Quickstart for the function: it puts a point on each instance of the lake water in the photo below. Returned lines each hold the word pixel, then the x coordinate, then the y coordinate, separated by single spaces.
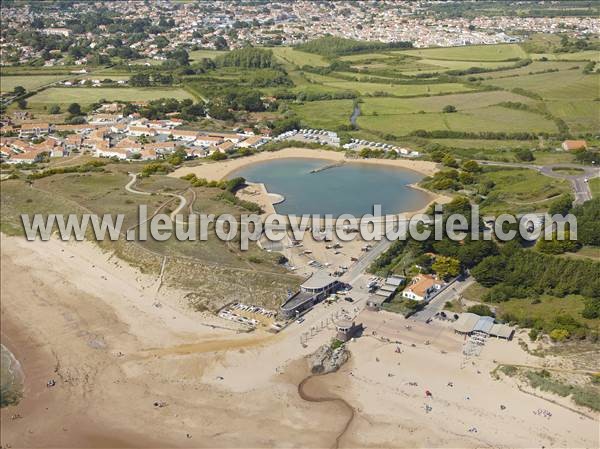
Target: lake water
pixel 349 188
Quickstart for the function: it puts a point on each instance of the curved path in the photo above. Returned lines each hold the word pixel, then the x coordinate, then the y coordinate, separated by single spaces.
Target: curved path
pixel 305 396
pixel 178 209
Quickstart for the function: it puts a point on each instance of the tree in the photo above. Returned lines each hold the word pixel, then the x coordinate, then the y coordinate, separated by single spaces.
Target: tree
pixel 177 157
pixel 449 161
pixel 449 109
pixel 19 90
pixel 561 206
pixel 54 109
pixel 446 267
pixel 556 246
pixel 218 156
pixel 480 309
pixel 471 167
pixel 524 154
pixel 22 103
pixel 74 109
pixel 490 271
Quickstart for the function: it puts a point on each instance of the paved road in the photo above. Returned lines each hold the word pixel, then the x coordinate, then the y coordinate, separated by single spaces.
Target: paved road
pixel 437 304
pixel 355 114
pixel 358 269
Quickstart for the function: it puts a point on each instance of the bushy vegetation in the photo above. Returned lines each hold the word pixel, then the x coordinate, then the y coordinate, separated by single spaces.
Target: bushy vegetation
pixel 249 58
pixel 83 168
pixel 330 46
pixel 230 186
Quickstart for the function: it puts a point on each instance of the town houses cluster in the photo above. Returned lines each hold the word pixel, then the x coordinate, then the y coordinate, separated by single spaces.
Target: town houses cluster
pixel 112 135
pixel 221 24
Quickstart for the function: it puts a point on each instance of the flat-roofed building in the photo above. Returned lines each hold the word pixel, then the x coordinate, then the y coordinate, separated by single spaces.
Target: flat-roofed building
pixel 313 290
pixel 471 323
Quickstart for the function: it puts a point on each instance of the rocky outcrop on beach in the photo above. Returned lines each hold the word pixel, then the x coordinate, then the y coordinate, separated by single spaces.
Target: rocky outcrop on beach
pixel 326 360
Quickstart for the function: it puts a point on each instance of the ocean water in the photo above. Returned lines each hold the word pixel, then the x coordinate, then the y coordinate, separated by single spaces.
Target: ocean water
pixel 346 189
pixel 11 378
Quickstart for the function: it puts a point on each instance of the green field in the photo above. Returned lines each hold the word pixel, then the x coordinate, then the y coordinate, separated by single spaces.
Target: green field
pixel 88 95
pixel 501 52
pixel 29 82
pixel 491 118
pixel 519 190
pixel 324 114
pixel 462 102
pixel 595 187
pixel 400 90
pixel 299 58
pixel 563 85
pixel 197 55
pixel 587 55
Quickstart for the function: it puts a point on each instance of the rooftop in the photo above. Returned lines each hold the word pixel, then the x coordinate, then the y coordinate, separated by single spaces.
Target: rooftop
pixel 318 280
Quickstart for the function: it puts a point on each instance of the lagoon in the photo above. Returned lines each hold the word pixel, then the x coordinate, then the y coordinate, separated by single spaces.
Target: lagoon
pixel 318 186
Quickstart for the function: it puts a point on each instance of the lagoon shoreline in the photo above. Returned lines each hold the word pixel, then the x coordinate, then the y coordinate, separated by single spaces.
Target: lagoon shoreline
pixel 258 193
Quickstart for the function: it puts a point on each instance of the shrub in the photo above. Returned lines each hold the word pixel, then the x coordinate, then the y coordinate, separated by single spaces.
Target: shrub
pixel 559 335
pixel 449 109
pixel 481 309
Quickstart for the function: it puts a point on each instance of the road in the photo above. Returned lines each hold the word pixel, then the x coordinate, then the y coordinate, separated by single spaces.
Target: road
pixel 355 114
pixel 437 304
pixel 359 267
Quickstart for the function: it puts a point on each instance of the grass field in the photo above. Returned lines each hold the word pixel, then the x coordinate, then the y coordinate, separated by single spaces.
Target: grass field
pixel 400 90
pixel 490 144
pixel 88 95
pixel 467 101
pixel 29 82
pixel 491 118
pixel 501 52
pixel 519 190
pixel 586 55
pixel 324 114
pixel 595 187
pixel 534 67
pixel 545 310
pixel 299 58
pixel 197 55
pixel 563 85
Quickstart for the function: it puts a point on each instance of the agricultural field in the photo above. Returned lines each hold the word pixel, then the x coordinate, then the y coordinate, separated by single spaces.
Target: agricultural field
pixel 89 95
pixel 400 90
pixel 198 55
pixel 324 114
pixel 503 52
pixel 490 118
pixel 462 102
pixel 29 82
pixel 563 85
pixel 299 58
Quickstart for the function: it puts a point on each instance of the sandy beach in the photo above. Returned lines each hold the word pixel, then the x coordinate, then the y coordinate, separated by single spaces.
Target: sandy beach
pixel 219 170
pixel 82 318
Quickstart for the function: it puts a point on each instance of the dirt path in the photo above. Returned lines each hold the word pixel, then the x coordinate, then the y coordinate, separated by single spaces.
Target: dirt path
pixel 309 398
